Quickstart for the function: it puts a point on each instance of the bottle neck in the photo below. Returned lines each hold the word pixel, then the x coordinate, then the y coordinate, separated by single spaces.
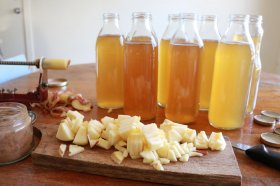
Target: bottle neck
pixel 144 23
pixel 142 30
pixel 256 32
pixel 110 25
pixel 172 26
pixel 187 33
pixel 209 30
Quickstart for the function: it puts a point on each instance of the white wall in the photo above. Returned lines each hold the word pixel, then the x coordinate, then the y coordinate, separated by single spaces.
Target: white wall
pixel 68 28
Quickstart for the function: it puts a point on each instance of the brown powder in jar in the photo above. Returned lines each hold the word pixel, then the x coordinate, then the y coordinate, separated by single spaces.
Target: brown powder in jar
pixel 15 139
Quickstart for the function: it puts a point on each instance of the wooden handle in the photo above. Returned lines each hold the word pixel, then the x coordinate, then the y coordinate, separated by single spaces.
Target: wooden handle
pixel 56 64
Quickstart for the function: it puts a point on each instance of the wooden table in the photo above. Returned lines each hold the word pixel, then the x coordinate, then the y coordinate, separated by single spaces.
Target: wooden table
pixel 81 79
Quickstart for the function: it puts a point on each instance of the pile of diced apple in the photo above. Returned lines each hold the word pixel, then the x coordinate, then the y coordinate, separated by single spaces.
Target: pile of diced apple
pixel 157 146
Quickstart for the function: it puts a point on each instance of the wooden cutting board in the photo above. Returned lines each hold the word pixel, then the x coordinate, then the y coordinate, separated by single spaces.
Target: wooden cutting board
pixel 216 168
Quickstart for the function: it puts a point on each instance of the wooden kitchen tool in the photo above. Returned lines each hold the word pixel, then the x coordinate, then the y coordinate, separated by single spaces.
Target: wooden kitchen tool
pixel 216 168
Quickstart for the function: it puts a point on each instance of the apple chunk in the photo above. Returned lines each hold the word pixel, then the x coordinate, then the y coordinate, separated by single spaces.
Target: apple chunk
pixel 81 136
pixel 64 133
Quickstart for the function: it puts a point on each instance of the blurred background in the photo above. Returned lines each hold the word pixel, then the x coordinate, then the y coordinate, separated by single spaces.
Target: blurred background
pixel 69 28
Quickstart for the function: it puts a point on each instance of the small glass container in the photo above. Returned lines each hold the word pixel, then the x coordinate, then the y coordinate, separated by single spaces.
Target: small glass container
pixel 16 132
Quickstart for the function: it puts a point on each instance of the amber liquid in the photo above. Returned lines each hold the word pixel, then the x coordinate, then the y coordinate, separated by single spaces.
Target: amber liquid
pixel 231 83
pixel 183 92
pixel 140 79
pixel 163 72
pixel 109 75
pixel 207 68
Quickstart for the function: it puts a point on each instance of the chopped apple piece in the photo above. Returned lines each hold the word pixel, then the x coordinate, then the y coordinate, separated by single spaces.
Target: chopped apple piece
pixel 153 136
pixel 163 151
pixel 107 120
pixel 117 157
pixel 164 161
pixel 173 135
pixel 217 141
pixel 97 125
pixel 92 132
pixel 103 144
pixel 189 135
pixel 92 142
pixel 157 165
pixel 148 156
pixel 135 144
pixel 185 147
pixel 119 148
pixel 75 149
pixel 74 115
pixel 121 143
pixel 179 148
pixel 171 155
pixel 185 158
pixel 81 136
pixel 125 153
pixel 201 141
pixel 76 123
pixel 113 137
pixel 193 154
pixel 64 133
pixel 176 152
pixel 62 149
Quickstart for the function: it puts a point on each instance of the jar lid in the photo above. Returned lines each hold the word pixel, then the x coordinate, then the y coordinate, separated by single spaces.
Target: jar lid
pixel 57 82
pixel 264 120
pixel 277 130
pixel 271 139
pixel 271 114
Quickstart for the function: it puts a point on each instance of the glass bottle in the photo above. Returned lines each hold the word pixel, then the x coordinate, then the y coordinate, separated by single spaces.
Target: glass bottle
pixel 164 62
pixel 210 35
pixel 232 75
pixel 140 72
pixel 256 32
pixel 110 63
pixel 183 92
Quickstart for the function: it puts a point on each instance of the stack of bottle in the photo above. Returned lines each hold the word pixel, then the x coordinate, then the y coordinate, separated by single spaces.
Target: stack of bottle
pixel 195 69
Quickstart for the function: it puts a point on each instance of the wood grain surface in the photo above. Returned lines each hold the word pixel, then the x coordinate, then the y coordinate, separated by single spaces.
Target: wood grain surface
pixel 81 79
pixel 211 169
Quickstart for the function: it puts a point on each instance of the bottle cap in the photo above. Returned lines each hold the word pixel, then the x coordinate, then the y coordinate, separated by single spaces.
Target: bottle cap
pixel 270 139
pixel 274 115
pixel 264 120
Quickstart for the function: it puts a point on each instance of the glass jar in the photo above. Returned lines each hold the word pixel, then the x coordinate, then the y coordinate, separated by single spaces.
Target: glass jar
pixel 183 92
pixel 232 75
pixel 140 71
pixel 210 35
pixel 164 62
pixel 109 63
pixel 256 32
pixel 16 132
